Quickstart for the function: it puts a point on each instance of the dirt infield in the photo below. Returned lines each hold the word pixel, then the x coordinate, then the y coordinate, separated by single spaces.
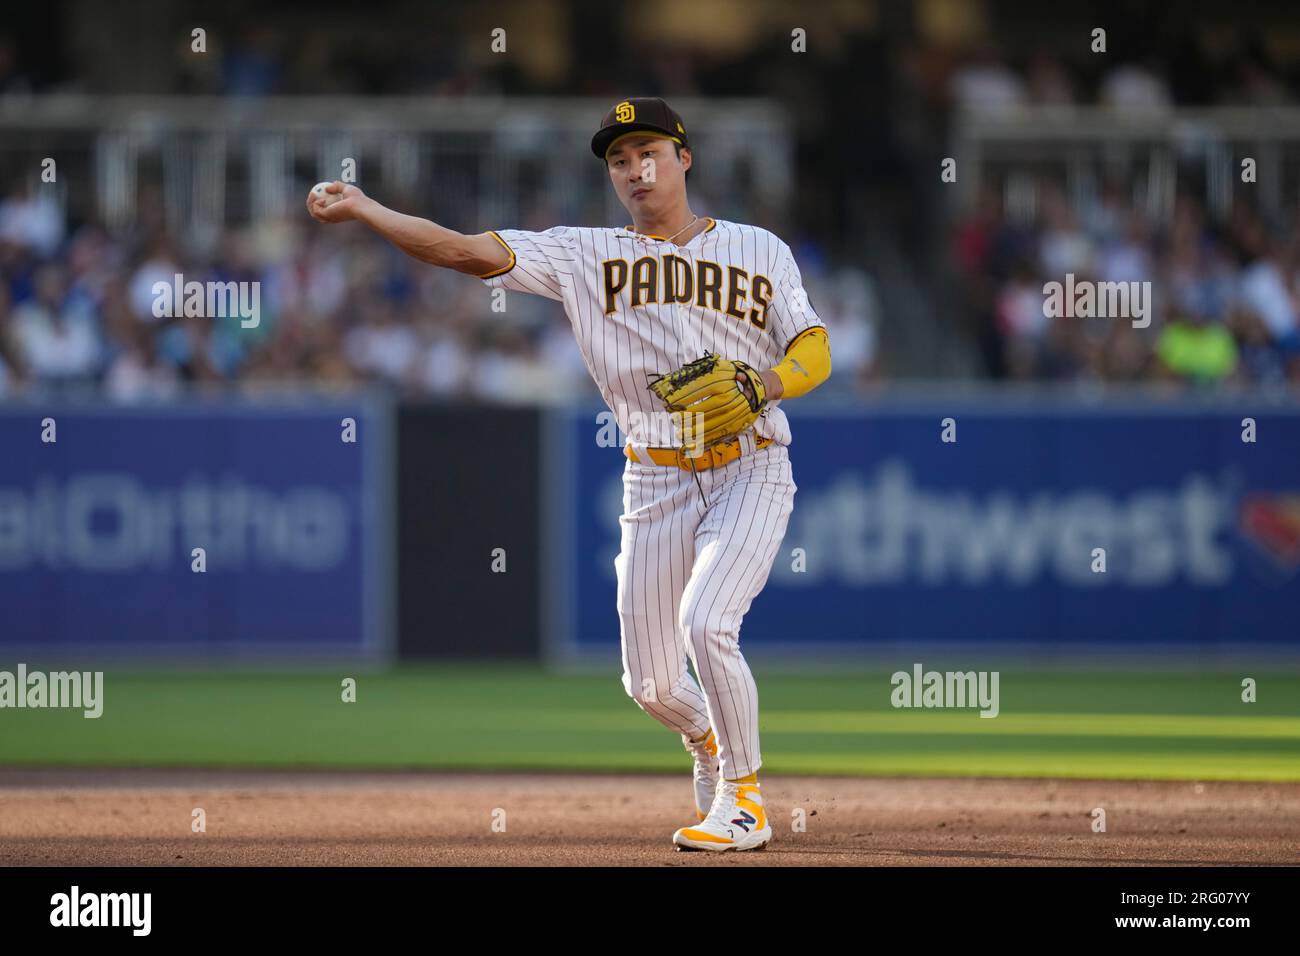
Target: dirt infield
pixel 119 817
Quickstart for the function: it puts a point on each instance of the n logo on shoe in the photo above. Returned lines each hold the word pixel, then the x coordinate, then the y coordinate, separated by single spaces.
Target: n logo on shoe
pixel 744 821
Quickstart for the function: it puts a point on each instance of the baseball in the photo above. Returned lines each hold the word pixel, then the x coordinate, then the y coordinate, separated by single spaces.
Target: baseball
pixel 321 195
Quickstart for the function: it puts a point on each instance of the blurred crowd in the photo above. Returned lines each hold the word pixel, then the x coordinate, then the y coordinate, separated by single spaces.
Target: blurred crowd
pixel 338 308
pixel 1224 297
pixel 1213 67
pixel 1225 290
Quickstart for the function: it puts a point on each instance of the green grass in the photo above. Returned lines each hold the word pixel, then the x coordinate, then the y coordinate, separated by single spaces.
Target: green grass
pixel 1102 725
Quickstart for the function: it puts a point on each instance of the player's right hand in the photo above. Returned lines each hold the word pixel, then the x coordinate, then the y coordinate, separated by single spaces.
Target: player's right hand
pixel 341 203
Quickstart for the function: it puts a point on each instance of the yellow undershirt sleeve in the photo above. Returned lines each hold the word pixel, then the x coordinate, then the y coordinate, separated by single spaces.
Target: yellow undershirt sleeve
pixel 807 362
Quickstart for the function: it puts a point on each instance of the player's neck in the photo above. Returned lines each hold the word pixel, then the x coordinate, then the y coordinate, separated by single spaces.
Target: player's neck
pixel 680 225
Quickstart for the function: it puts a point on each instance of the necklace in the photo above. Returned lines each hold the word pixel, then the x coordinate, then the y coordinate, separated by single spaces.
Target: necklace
pixel 682 230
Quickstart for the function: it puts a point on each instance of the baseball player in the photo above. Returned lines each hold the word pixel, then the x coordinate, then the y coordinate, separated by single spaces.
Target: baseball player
pixel 694 329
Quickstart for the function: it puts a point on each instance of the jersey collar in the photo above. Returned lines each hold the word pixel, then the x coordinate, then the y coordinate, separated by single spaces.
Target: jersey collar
pixel 649 235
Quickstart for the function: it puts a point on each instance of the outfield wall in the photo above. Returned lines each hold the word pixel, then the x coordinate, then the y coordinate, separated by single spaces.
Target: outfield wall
pixel 900 539
pixel 217 531
pixel 449 531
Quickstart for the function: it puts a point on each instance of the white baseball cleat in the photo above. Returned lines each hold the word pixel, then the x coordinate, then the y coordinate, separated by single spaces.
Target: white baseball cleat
pixel 707 771
pixel 737 821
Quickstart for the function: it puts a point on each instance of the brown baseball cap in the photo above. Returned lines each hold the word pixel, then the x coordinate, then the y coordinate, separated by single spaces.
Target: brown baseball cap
pixel 648 113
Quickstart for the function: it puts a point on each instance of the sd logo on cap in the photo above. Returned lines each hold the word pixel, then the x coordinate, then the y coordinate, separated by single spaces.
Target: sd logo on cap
pixel 648 113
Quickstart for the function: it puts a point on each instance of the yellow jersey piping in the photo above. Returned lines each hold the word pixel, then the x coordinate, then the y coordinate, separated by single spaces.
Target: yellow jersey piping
pixel 506 268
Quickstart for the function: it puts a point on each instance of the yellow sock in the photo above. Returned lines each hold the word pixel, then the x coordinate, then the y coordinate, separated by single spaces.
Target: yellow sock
pixel 752 778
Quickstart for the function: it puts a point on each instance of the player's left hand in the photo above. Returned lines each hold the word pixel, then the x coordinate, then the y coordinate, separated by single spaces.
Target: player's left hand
pixel 712 399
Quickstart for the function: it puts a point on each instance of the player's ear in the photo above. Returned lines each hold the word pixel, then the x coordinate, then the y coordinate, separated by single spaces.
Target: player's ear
pixel 685 156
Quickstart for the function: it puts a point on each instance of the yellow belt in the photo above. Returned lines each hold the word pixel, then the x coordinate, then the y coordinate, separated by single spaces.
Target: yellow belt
pixel 719 454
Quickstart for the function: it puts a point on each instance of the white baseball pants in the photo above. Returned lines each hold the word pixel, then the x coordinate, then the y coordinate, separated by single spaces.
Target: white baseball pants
pixel 687 573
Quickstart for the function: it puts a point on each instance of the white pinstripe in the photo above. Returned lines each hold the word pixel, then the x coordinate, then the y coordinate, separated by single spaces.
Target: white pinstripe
pixel 687 571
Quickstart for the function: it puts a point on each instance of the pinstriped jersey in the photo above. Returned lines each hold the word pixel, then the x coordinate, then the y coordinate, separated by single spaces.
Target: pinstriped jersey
pixel 641 306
